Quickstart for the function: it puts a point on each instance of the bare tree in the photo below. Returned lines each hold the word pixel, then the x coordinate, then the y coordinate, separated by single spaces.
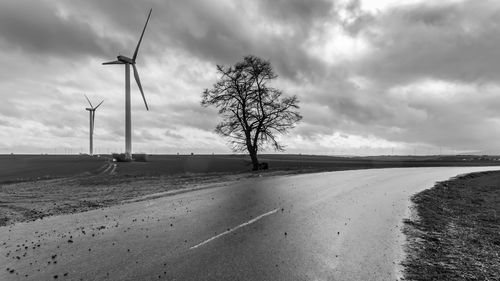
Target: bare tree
pixel 253 113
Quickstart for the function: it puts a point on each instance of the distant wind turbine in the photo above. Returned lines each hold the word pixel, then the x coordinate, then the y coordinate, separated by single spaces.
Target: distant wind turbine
pixel 127 62
pixel 91 111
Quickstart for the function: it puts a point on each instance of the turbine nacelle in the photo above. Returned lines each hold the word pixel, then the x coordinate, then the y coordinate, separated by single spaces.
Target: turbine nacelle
pixel 125 59
pixel 92 108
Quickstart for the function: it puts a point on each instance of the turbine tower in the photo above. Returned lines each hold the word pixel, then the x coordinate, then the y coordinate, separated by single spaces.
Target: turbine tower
pixel 128 62
pixel 91 111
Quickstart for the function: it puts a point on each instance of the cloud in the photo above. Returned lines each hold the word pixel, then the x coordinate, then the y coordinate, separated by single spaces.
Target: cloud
pixel 224 33
pixel 391 75
pixel 448 41
pixel 173 135
pixel 39 28
pixel 428 77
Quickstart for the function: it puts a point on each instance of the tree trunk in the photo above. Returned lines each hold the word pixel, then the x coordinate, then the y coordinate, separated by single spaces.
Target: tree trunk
pixel 252 150
pixel 255 161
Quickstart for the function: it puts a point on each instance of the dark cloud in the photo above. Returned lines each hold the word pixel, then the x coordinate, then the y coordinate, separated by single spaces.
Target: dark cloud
pixel 222 33
pixel 454 41
pixel 6 123
pixel 225 33
pixel 39 29
pixel 299 15
pixel 357 19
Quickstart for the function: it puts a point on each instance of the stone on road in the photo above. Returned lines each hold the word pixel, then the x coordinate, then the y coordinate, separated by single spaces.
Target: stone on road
pixel 326 226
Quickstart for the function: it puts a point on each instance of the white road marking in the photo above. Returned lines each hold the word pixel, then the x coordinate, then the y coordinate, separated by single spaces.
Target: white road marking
pixel 233 229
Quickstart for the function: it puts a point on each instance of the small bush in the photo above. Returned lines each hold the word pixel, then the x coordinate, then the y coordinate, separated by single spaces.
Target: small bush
pixel 121 157
pixel 263 166
pixel 140 157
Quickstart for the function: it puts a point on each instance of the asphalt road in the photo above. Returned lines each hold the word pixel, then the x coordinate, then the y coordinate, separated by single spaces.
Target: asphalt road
pixel 328 226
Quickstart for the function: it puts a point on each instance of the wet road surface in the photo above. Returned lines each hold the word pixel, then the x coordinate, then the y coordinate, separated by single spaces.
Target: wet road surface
pixel 327 226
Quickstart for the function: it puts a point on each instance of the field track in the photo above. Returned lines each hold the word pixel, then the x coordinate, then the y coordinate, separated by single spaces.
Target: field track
pixel 107 169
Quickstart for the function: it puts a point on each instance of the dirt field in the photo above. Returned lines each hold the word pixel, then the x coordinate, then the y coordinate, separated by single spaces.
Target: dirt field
pixel 36 186
pixel 455 233
pixel 18 168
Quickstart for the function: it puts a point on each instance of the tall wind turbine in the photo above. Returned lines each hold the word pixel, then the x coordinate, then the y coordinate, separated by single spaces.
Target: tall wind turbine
pixel 128 62
pixel 91 111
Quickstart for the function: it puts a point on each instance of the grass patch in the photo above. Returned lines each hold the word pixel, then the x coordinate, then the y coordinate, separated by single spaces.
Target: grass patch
pixel 455 234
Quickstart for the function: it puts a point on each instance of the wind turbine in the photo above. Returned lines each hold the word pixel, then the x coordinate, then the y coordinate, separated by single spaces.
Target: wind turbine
pixel 128 62
pixel 91 111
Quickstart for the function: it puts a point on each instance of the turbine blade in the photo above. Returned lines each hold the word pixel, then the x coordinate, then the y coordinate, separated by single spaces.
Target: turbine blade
pixel 88 100
pixel 136 75
pixel 99 104
pixel 140 39
pixel 113 62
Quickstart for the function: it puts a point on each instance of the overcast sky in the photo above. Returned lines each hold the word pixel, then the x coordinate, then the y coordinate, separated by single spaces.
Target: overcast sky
pixel 372 77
